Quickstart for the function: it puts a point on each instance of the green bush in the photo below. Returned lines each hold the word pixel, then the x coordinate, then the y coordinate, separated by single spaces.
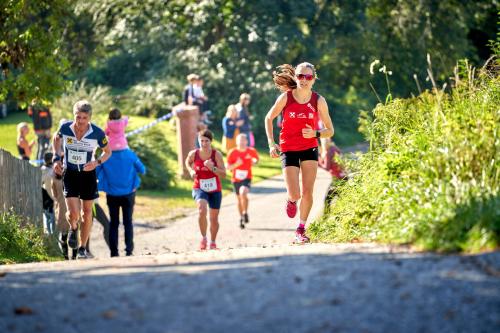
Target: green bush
pixel 152 98
pixel 432 175
pixel 20 241
pixel 99 97
pixel 154 152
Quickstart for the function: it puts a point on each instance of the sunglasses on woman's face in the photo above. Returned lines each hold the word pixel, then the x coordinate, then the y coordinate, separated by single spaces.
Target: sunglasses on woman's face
pixel 307 77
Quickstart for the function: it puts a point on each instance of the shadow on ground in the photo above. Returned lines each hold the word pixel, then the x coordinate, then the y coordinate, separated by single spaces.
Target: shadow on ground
pixel 372 292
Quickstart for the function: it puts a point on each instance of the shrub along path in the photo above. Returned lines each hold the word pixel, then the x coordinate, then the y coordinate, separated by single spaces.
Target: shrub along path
pixel 257 282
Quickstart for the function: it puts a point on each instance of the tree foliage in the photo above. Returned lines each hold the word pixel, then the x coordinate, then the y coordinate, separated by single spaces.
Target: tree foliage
pixel 30 50
pixel 235 44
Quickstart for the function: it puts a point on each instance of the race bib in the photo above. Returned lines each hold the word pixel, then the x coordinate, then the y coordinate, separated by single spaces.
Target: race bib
pixel 240 174
pixel 208 185
pixel 77 157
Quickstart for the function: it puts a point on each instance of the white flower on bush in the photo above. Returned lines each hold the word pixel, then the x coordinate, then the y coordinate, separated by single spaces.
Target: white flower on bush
pixel 372 66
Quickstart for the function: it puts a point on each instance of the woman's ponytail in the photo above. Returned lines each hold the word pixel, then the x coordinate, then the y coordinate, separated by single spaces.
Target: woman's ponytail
pixel 284 77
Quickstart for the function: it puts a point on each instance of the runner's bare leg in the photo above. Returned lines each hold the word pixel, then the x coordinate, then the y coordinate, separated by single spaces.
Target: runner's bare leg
pixel 309 171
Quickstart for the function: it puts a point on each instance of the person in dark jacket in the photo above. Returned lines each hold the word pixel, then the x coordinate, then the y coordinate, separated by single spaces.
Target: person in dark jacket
pixel 244 115
pixel 119 179
pixel 42 123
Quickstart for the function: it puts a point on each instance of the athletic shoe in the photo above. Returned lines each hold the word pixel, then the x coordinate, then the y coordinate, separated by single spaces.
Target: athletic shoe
pixel 203 244
pixel 300 236
pixel 242 226
pixel 82 253
pixel 129 254
pixel 89 254
pixel 73 238
pixel 291 208
pixel 245 218
pixel 213 246
pixel 63 245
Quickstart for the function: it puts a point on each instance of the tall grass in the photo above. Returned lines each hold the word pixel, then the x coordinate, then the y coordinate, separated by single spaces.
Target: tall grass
pixel 431 177
pixel 23 242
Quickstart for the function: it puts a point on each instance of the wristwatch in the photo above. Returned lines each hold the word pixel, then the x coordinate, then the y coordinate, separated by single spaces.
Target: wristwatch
pixel 56 158
pixel 214 168
pixel 318 134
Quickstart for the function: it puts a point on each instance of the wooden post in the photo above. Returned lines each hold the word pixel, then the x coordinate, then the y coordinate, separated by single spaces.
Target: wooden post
pixel 188 117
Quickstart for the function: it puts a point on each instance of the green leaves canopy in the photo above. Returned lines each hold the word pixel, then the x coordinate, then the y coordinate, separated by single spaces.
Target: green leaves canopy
pixel 235 44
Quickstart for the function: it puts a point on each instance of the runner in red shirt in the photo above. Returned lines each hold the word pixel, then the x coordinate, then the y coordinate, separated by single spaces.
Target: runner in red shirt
pixel 327 161
pixel 206 167
pixel 240 161
pixel 300 108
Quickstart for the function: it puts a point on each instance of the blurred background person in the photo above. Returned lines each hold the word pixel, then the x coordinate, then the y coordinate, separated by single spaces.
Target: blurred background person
pixel 206 167
pixel 230 128
pixel 327 161
pixel 240 161
pixel 115 130
pixel 23 147
pixel 119 178
pixel 201 100
pixel 188 94
pixel 244 116
pixel 42 123
pixel 48 199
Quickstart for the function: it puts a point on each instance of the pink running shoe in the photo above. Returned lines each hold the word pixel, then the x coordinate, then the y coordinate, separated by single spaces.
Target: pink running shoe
pixel 300 236
pixel 213 246
pixel 291 208
pixel 203 244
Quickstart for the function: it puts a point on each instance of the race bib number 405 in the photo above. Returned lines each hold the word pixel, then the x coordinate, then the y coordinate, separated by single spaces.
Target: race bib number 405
pixel 77 157
pixel 208 185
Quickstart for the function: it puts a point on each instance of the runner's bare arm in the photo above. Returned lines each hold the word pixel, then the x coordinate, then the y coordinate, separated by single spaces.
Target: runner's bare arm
pixel 56 145
pixel 325 118
pixel 273 113
pixel 106 154
pixel 220 169
pixel 189 163
pixel 57 150
pixel 256 157
pixel 232 166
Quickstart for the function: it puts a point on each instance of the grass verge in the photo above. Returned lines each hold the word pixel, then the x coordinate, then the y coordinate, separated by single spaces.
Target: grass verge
pixel 432 176
pixel 20 241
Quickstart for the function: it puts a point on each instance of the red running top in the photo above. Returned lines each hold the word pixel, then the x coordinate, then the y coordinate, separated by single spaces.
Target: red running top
pixel 295 117
pixel 205 179
pixel 243 171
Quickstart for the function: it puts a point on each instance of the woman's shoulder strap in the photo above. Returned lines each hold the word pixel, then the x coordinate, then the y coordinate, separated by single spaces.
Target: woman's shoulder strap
pixel 289 98
pixel 314 99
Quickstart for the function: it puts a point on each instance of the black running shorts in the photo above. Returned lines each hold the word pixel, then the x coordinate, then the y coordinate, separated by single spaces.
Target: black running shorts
pixel 237 185
pixel 294 158
pixel 80 184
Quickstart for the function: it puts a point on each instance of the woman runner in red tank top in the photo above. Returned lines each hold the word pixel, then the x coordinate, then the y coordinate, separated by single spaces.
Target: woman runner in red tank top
pixel 206 167
pixel 301 109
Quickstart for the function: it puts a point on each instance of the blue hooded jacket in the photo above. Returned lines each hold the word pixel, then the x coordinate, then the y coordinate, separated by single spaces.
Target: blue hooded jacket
pixel 118 176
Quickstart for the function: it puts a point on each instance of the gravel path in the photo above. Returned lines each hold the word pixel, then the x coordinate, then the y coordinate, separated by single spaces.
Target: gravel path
pixel 256 282
pixel 268 223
